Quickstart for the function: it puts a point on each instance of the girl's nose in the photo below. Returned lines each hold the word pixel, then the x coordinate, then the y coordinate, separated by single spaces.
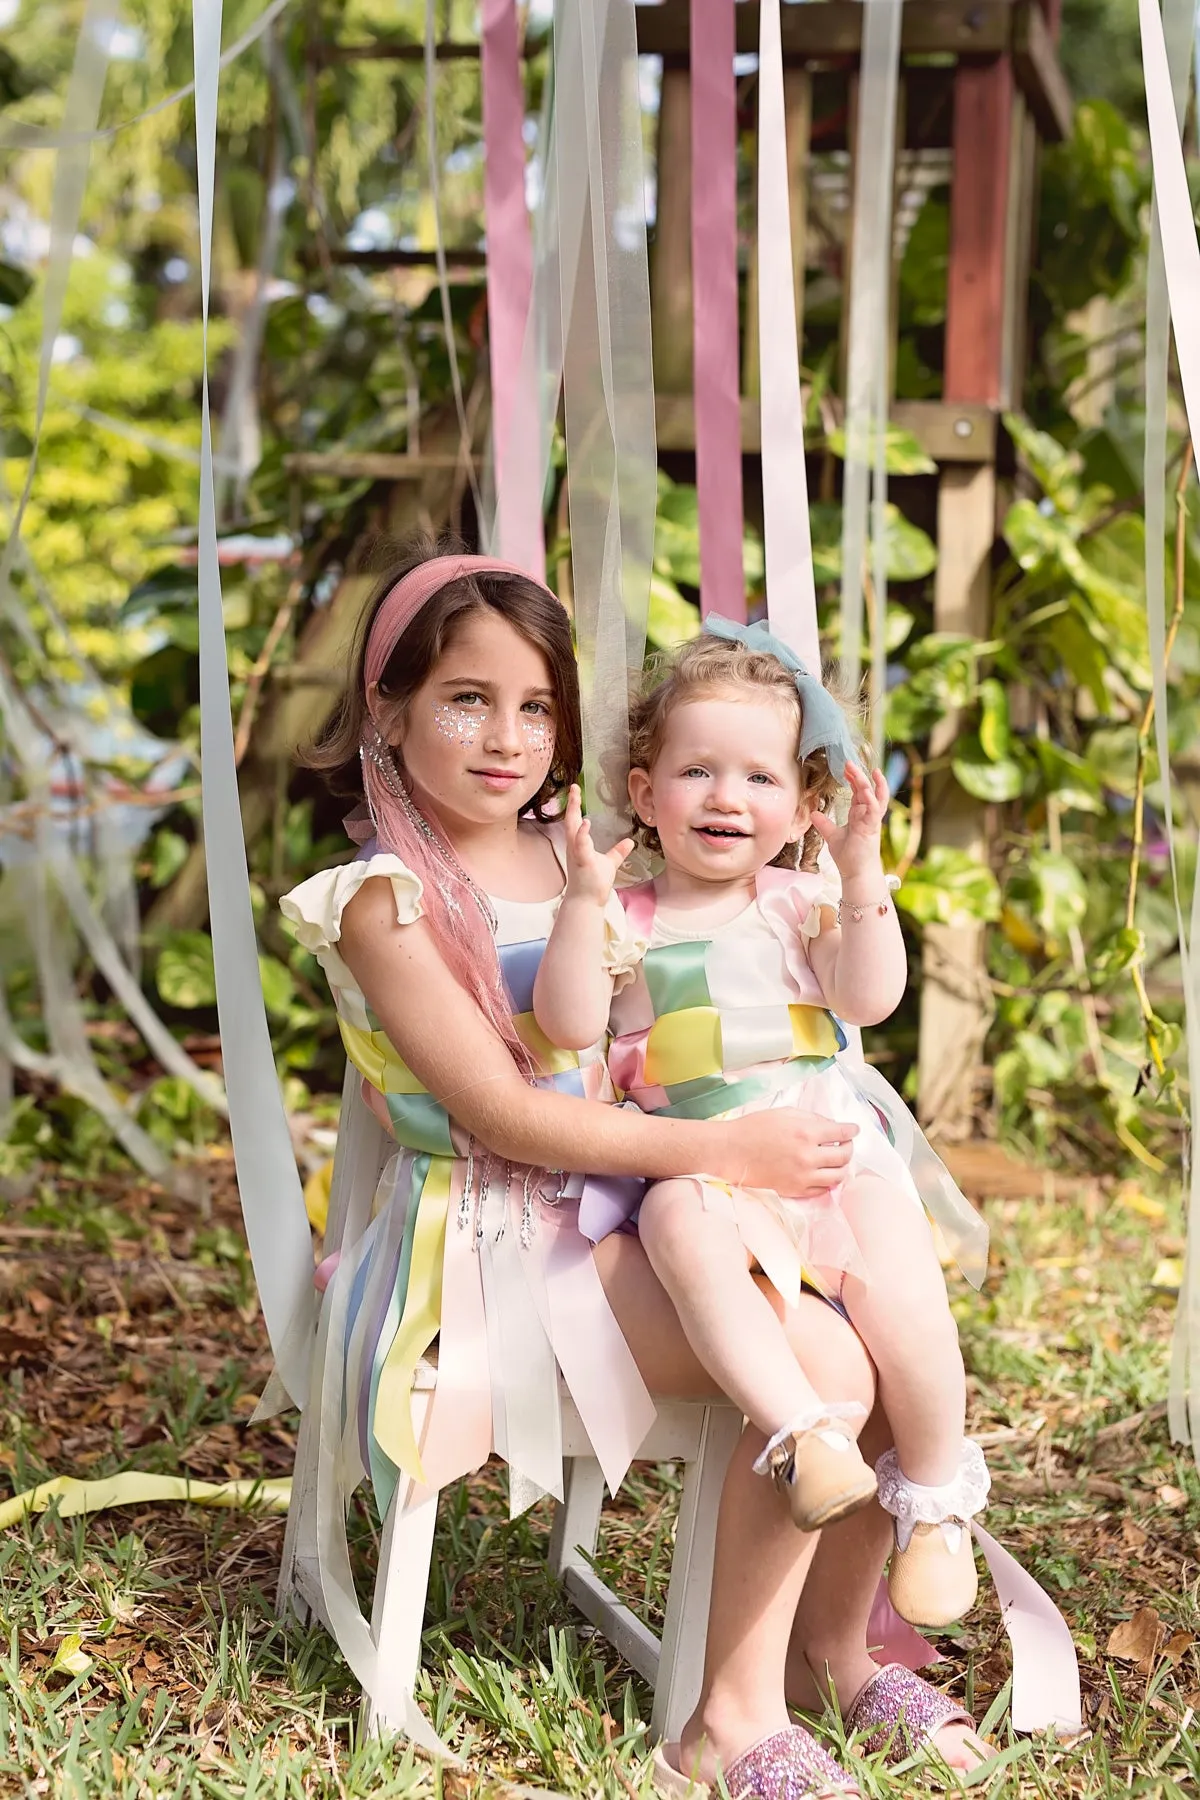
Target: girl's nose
pixel 502 733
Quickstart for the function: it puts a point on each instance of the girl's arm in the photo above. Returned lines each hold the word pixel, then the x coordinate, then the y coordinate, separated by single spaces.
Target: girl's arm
pixel 860 963
pixel 450 1048
pixel 572 991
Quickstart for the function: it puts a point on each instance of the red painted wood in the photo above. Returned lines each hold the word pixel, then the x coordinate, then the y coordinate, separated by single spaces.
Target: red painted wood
pixel 1053 12
pixel 983 114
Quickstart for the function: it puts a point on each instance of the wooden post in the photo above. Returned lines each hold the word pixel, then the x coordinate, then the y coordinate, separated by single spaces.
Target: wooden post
pixel 956 1004
pixel 671 254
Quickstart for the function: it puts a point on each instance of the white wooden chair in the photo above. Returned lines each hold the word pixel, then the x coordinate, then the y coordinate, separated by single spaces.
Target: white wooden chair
pixel 700 1435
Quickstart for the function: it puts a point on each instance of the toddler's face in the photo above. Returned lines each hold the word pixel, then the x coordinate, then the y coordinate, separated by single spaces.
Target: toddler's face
pixel 478 738
pixel 724 794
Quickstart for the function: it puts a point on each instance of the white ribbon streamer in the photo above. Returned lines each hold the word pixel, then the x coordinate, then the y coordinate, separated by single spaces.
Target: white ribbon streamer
pixel 791 588
pixel 865 479
pixel 268 1180
pixel 1173 290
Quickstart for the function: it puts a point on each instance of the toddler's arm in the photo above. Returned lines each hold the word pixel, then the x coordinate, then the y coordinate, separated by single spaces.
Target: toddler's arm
pixel 860 960
pixel 572 991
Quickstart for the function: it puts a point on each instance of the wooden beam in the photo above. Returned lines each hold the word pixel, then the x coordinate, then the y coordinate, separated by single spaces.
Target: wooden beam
pixel 671 248
pixel 948 434
pixel 466 257
pixel 834 28
pixel 956 998
pixel 372 465
pixel 976 289
pixel 1039 72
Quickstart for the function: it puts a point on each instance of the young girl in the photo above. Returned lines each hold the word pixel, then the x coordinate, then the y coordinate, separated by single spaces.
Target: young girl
pixel 459 728
pixel 752 962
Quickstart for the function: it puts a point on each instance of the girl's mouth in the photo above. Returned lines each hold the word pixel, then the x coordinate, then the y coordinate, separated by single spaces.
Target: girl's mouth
pixel 496 778
pixel 722 834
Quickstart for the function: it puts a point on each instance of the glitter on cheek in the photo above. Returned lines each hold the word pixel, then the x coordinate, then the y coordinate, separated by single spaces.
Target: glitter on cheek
pixel 456 725
pixel 539 735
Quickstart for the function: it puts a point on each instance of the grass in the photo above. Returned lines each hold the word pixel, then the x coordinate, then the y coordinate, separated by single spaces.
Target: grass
pixel 140 1652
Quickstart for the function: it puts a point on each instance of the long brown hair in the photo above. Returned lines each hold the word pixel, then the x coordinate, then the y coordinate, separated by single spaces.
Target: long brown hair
pixel 540 619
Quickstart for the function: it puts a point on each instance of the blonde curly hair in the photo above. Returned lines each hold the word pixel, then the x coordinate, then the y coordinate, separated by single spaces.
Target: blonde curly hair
pixel 707 666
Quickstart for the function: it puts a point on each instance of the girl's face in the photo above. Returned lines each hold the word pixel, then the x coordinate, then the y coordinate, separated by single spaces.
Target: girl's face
pixel 724 794
pixel 477 740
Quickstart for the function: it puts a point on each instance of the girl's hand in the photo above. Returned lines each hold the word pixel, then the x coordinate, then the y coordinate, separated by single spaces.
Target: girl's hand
pixel 590 872
pixel 854 846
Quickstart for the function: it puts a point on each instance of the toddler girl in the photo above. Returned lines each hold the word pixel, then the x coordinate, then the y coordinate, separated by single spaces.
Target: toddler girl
pixel 752 962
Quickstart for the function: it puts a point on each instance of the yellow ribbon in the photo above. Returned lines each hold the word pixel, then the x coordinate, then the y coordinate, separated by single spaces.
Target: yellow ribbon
pixel 133 1488
pixel 393 1423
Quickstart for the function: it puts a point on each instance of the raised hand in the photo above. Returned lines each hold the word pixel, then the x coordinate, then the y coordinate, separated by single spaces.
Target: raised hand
pixel 590 872
pixel 855 846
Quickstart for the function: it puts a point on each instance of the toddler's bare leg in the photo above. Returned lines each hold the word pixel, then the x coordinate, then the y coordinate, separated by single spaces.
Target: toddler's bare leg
pixel 699 1257
pixel 902 1312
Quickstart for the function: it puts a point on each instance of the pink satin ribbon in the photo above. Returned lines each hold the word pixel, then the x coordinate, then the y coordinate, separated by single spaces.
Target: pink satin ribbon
pixel 791 589
pixel 509 289
pixel 715 308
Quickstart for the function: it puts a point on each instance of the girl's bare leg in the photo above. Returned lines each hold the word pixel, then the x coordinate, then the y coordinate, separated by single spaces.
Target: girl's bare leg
pixel 699 1257
pixel 828 1653
pixel 761 1559
pixel 902 1312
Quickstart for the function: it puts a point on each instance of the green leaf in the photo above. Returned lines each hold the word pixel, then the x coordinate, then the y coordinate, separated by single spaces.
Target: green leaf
pixel 1112 956
pixel 902 450
pixel 1052 893
pixel 1068 778
pixel 169 853
pixel 1082 656
pixel 995 734
pixel 1054 468
pixel 278 986
pixel 911 552
pixel 184 975
pixel 949 887
pixel 671 619
pixel 985 777
pixel 1112 757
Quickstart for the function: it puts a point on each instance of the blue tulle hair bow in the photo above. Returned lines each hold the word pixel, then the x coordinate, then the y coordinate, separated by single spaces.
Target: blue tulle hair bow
pixel 822 722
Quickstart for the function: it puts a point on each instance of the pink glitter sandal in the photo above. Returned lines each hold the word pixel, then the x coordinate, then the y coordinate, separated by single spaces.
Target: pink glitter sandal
pixel 788 1765
pixel 900 1714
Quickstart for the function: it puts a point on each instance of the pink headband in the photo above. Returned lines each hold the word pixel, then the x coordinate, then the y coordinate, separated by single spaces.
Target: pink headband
pixel 409 595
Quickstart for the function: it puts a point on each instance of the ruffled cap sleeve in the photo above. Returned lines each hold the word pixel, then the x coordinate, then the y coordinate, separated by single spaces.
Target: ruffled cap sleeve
pixel 624 945
pixel 315 908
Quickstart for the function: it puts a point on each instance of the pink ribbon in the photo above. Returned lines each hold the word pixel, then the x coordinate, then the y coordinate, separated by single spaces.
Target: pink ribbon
pixel 509 288
pixel 715 307
pixel 1045 1679
pixel 791 588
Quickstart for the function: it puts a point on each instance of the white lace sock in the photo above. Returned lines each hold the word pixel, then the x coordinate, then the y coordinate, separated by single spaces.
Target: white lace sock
pixel 828 1412
pixel 910 1504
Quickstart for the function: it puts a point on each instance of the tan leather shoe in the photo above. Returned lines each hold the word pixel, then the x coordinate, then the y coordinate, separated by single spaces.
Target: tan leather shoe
pixel 822 1475
pixel 933 1582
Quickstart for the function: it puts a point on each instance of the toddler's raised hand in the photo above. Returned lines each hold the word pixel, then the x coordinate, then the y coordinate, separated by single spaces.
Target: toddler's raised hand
pixel 590 872
pixel 854 846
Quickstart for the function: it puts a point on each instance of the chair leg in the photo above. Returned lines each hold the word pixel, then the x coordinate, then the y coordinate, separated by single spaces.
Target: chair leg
pixel 577 1517
pixel 681 1664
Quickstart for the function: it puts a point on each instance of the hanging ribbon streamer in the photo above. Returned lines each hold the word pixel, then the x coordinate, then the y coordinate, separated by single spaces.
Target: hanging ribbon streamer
pixel 268 1180
pixel 439 250
pixel 1173 291
pixel 715 308
pixel 865 479
pixel 509 280
pixel 48 137
pixel 791 589
pixel 608 384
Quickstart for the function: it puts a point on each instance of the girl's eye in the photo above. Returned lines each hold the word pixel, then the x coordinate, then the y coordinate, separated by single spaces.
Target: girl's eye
pixel 761 777
pixel 468 698
pixel 690 774
pixel 537 709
